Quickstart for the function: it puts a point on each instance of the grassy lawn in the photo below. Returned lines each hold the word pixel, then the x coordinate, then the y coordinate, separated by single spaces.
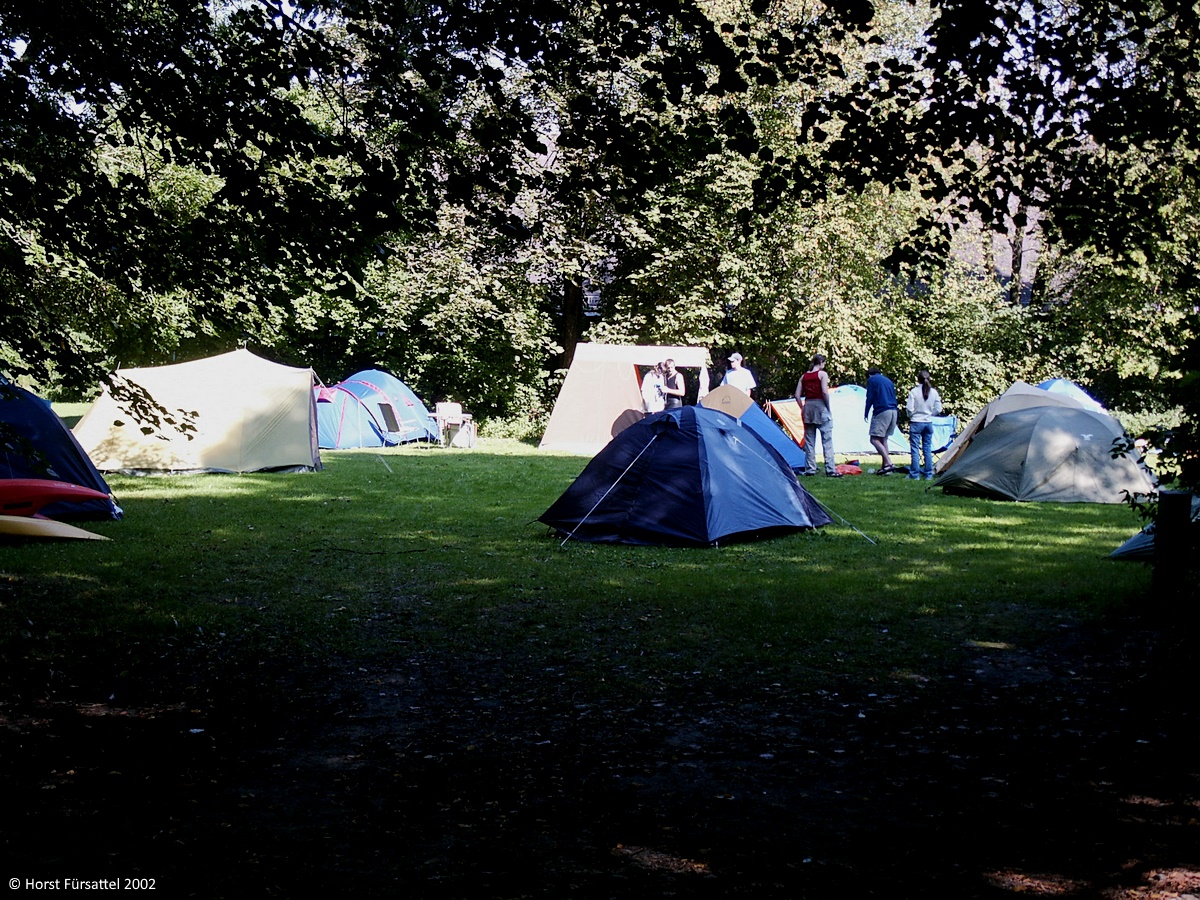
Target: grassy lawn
pixel 420 550
pixel 387 677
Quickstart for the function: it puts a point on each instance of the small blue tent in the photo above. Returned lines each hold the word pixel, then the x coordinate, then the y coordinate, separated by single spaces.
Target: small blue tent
pixel 691 477
pixel 32 425
pixel 1140 547
pixel 371 409
pixel 1075 392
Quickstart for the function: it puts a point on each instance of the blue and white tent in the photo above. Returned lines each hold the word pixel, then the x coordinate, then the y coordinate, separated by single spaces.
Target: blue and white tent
pixel 691 477
pixel 851 433
pixel 1070 389
pixel 371 409
pixel 737 403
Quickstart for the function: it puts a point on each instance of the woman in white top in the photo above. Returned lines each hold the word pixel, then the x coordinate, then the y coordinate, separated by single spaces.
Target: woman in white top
pixel 923 404
pixel 652 394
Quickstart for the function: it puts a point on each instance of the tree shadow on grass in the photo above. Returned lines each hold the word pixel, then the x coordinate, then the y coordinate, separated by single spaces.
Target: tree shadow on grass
pixel 1061 769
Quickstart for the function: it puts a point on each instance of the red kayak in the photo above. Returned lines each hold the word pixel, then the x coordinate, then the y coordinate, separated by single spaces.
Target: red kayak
pixel 26 496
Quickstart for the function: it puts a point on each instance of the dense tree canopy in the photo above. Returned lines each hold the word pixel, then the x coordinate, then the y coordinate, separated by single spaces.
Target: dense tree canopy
pixel 347 182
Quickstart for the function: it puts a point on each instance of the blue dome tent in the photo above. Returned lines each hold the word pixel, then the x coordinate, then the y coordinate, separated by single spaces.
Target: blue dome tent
pixel 691 477
pixel 371 409
pixel 733 402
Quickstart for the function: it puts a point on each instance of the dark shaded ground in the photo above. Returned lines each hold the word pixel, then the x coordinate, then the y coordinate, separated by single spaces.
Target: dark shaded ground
pixel 1069 770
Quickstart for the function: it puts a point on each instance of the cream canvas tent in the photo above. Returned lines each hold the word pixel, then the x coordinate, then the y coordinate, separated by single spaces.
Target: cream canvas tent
pixel 1020 396
pixel 601 395
pixel 250 415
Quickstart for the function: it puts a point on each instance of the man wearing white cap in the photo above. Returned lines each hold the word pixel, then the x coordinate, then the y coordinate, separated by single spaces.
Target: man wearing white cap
pixel 738 377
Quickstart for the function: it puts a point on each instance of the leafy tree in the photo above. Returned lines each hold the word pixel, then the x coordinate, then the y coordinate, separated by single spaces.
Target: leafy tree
pixel 148 151
pixel 456 316
pixel 206 165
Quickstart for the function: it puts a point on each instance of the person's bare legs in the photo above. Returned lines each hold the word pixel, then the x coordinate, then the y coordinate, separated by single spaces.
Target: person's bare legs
pixel 880 445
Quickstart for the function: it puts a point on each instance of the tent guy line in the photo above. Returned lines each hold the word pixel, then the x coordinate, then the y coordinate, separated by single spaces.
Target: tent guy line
pixel 649 444
pixel 838 516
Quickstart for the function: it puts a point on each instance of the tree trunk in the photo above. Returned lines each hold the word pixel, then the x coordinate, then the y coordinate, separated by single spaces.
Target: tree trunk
pixel 1020 225
pixel 571 326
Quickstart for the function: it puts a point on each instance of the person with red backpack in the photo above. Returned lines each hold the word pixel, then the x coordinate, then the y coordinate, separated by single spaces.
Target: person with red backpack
pixel 812 393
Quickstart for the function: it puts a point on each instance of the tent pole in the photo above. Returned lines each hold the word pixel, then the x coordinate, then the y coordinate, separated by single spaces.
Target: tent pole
pixel 609 491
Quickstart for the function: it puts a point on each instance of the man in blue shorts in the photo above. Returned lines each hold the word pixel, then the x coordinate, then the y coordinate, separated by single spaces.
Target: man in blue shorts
pixel 881 398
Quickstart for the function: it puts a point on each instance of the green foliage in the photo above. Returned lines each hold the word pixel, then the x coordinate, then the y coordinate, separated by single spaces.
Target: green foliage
pixel 428 187
pixel 973 342
pixel 526 414
pixel 803 279
pixel 1121 300
pixel 453 315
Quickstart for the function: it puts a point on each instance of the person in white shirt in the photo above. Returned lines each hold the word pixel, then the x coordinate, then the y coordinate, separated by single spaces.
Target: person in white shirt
pixel 923 404
pixel 652 394
pixel 739 377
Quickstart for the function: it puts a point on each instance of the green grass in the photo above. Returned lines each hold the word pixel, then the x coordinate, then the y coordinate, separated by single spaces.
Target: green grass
pixel 421 550
pixel 71 413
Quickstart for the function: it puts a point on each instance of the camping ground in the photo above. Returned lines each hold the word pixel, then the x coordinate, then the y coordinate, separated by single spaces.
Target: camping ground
pixel 386 678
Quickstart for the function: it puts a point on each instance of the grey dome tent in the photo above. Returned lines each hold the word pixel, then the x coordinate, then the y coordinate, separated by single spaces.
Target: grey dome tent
pixel 1019 396
pixel 1049 453
pixel 692 477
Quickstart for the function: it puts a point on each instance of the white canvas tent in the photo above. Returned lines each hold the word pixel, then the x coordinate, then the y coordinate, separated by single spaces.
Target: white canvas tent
pixel 601 395
pixel 250 415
